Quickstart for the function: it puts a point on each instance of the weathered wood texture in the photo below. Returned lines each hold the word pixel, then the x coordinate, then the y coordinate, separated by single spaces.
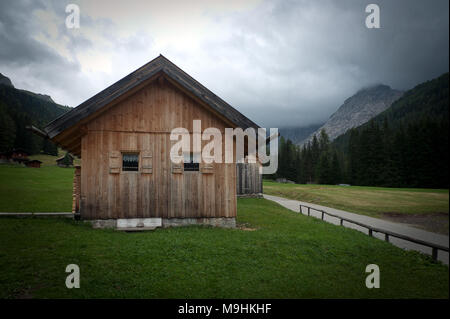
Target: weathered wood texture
pixel 76 190
pixel 248 179
pixel 143 123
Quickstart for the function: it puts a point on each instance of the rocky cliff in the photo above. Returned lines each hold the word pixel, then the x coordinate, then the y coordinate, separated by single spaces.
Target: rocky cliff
pixel 358 109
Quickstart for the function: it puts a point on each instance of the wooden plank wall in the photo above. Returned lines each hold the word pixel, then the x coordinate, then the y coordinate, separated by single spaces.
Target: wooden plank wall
pixel 76 190
pixel 248 179
pixel 143 123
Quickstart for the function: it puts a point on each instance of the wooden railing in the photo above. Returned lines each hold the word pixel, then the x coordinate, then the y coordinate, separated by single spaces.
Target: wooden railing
pixel 387 233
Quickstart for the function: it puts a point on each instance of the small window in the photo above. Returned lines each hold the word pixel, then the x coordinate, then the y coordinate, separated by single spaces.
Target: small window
pixel 130 162
pixel 189 164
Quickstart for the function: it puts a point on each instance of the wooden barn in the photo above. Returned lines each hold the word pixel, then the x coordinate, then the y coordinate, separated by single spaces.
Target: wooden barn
pixel 122 136
pixel 33 163
pixel 65 161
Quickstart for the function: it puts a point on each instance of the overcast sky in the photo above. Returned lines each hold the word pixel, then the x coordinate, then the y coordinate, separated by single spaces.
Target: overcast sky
pixel 281 63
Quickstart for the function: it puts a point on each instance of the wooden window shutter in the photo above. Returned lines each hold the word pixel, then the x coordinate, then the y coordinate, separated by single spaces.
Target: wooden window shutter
pixel 114 162
pixel 207 168
pixel 177 168
pixel 147 162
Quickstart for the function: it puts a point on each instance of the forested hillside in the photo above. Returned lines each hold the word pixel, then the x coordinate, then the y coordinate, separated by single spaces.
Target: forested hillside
pixel 17 110
pixel 407 145
pixel 404 146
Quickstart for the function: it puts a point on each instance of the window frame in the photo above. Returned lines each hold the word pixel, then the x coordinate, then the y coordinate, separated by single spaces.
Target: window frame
pixel 128 169
pixel 192 166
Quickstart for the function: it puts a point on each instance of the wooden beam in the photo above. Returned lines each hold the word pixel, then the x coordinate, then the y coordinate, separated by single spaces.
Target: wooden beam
pixel 37 131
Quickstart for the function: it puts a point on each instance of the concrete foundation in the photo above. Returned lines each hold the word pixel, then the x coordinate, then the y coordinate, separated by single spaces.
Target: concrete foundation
pixel 103 223
pixel 172 222
pixel 217 222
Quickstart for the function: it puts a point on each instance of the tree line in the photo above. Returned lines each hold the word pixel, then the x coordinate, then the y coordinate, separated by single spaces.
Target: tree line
pixel 412 155
pixel 316 162
pixel 377 154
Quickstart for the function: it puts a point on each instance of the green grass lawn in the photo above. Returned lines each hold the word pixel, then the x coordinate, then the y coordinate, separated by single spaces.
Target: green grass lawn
pixel 372 201
pixel 288 255
pixel 27 189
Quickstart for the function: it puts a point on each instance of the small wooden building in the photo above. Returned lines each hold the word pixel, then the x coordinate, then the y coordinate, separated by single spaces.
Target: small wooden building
pixel 249 181
pixel 17 155
pixel 33 163
pixel 65 161
pixel 122 136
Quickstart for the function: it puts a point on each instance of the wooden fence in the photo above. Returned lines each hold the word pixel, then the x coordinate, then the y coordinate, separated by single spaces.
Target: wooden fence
pixel 248 179
pixel 387 233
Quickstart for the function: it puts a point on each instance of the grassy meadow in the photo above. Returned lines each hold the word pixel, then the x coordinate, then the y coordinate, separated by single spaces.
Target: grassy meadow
pixel 371 201
pixel 28 189
pixel 275 253
pixel 278 254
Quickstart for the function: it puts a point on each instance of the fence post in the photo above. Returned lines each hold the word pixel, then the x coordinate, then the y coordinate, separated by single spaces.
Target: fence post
pixel 386 237
pixel 370 232
pixel 309 214
pixel 342 222
pixel 435 253
pixel 322 214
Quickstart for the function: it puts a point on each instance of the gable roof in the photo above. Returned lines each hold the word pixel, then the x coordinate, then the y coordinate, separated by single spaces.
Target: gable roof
pixel 64 156
pixel 134 79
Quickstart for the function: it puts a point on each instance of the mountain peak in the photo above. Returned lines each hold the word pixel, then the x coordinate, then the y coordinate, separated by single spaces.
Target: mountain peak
pixel 359 109
pixel 5 80
pixel 374 88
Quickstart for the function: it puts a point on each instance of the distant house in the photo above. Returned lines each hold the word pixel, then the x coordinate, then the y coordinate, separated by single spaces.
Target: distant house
pixel 65 161
pixel 16 155
pixel 33 163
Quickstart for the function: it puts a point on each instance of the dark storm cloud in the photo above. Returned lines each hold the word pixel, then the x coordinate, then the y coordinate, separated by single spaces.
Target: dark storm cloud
pixel 33 64
pixel 15 24
pixel 304 58
pixel 282 63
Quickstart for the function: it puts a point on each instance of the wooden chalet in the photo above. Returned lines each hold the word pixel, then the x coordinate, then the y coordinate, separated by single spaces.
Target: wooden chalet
pixel 65 161
pixel 122 136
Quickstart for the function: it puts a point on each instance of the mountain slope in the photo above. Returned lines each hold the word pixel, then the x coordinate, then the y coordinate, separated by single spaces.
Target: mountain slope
pixel 19 108
pixel 406 145
pixel 358 109
pixel 426 100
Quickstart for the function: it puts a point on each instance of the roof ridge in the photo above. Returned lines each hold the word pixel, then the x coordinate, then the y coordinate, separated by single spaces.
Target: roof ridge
pixel 137 77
